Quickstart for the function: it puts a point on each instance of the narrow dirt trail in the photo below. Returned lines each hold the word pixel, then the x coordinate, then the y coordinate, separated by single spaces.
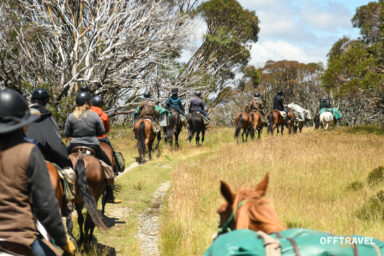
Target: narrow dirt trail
pixel 148 234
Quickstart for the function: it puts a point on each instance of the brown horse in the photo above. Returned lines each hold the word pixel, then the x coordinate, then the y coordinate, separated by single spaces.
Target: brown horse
pixel 58 189
pixel 257 124
pixel 248 209
pixel 90 185
pixel 275 120
pixel 145 138
pixel 242 121
pixel 174 128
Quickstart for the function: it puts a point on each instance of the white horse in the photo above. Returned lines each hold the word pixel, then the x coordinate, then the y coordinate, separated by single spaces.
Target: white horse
pixel 326 120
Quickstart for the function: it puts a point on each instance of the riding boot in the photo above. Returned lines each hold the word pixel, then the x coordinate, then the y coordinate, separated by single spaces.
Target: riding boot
pixel 110 196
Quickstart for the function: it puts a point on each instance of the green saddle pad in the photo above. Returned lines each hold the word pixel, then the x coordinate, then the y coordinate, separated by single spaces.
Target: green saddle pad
pixel 294 242
pixel 335 112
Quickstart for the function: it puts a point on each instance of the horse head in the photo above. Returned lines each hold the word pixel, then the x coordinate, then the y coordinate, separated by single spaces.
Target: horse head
pixel 248 209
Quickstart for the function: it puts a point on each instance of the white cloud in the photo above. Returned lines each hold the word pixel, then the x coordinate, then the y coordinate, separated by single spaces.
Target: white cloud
pixel 331 16
pixel 281 50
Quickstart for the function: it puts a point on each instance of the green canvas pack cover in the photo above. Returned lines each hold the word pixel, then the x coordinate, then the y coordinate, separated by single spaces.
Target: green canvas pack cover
pixel 308 243
pixel 335 112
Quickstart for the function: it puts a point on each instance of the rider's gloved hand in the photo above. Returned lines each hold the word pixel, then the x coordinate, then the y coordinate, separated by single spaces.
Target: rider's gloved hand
pixel 69 248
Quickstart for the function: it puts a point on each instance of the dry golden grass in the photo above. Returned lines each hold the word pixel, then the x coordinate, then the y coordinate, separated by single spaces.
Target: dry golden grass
pixel 309 176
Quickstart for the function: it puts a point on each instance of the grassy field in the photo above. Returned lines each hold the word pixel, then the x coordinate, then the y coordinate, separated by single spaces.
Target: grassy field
pixel 318 180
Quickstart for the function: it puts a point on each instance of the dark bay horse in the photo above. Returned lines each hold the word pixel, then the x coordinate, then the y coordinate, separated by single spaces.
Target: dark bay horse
pixel 174 128
pixel 90 185
pixel 145 138
pixel 257 124
pixel 275 120
pixel 196 125
pixel 242 121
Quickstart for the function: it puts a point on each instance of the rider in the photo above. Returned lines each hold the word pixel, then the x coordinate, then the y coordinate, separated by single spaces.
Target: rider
pixel 97 103
pixel 26 193
pixel 174 102
pixel 278 103
pixel 257 104
pixel 83 126
pixel 45 132
pixel 147 110
pixel 324 103
pixel 198 105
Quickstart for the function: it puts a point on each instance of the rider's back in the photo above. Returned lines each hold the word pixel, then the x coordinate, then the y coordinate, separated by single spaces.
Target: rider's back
pixel 85 129
pixel 196 104
pixel 278 103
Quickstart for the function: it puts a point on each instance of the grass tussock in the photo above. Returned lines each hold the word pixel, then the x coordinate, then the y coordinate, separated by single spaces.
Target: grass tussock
pixel 309 174
pixel 376 176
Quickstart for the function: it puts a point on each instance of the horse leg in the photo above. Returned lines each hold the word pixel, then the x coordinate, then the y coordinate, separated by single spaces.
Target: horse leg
pixel 258 133
pixel 150 148
pixel 103 202
pixel 87 226
pixel 197 137
pixel 80 221
pixel 202 135
pixel 158 140
pixel 191 133
pixel 177 139
pixel 282 129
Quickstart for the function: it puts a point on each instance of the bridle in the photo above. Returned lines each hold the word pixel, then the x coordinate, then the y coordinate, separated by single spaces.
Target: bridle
pixel 225 227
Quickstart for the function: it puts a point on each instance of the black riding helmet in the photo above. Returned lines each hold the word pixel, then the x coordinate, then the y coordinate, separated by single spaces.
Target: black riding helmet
pixel 198 94
pixel 41 95
pixel 147 95
pixel 174 91
pixel 14 111
pixel 97 101
pixel 280 93
pixel 83 97
pixel 324 98
pixel 256 95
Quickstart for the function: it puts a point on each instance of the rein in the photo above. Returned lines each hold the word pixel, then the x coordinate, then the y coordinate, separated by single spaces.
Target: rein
pixel 226 224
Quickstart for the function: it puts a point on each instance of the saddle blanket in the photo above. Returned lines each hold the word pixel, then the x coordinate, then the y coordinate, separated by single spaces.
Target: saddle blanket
pixel 155 126
pixel 294 242
pixel 335 112
pixel 283 114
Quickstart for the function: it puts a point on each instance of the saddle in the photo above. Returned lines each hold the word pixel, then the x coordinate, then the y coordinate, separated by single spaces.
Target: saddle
pixel 11 248
pixel 84 149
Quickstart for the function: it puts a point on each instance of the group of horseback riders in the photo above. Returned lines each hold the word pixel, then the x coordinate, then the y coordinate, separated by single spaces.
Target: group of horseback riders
pixel 148 109
pixel 29 136
pixel 257 104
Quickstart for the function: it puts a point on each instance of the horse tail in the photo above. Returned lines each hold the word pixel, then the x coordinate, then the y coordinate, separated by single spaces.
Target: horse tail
pixel 141 138
pixel 252 131
pixel 86 194
pixel 270 121
pixel 239 124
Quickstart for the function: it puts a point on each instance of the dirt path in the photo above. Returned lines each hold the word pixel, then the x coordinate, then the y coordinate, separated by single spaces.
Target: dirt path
pixel 148 234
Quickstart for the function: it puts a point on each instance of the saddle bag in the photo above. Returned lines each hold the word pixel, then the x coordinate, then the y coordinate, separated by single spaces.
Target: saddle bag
pixel 108 172
pixel 120 160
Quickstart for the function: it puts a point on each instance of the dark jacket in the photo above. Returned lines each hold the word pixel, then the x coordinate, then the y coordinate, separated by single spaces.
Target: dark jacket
pixel 324 104
pixel 278 103
pixel 25 191
pixel 45 132
pixel 196 104
pixel 174 103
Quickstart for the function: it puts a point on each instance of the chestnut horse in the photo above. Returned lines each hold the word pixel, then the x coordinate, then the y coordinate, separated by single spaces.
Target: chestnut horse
pixel 248 209
pixel 257 124
pixel 58 189
pixel 275 120
pixel 242 121
pixel 145 138
pixel 90 185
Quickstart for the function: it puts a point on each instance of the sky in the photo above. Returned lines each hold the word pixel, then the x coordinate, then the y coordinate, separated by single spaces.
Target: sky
pixel 302 30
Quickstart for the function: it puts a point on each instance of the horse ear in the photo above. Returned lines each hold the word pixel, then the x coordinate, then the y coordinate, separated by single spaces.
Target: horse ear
pixel 226 192
pixel 262 186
